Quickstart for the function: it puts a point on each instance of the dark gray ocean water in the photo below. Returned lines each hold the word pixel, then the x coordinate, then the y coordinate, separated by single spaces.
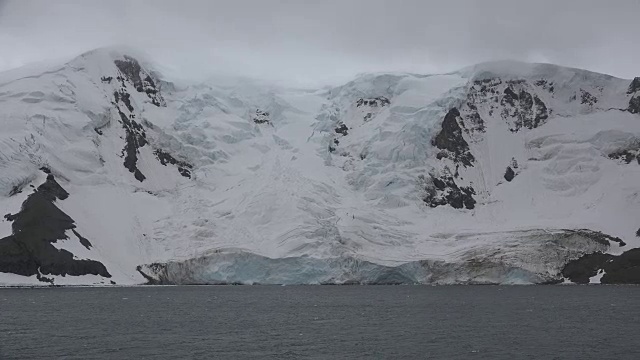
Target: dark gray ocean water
pixel 321 322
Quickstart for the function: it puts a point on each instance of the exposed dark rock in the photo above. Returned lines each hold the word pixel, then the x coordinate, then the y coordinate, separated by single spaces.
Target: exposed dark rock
pixel 123 96
pixel 139 78
pixel 150 280
pixel 638 232
pixel 634 86
pixel 510 97
pixel 45 170
pixel 444 191
pixel 547 85
pixel 184 168
pixel 261 117
pixel 634 104
pixel 131 69
pixel 627 155
pixel 39 224
pixel 620 269
pixel 580 270
pixel 342 129
pixel 83 241
pixel 451 141
pixel 542 114
pixel 379 101
pixel 524 109
pixel 587 98
pixel 509 174
pixel 473 121
pixel 135 136
pixel 135 139
pixel 106 79
pixel 515 100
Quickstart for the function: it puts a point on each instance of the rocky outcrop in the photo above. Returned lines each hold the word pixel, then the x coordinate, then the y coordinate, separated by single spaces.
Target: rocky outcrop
pixel 36 227
pixel 379 101
pixel 634 105
pixel 634 91
pixel 135 138
pixel 523 108
pixel 143 82
pixel 342 129
pixel 372 106
pixel 615 269
pixel 443 190
pixel 261 117
pixel 516 101
pixel 587 98
pixel 634 87
pixel 627 155
pixel 509 174
pixel 451 142
pixel 184 168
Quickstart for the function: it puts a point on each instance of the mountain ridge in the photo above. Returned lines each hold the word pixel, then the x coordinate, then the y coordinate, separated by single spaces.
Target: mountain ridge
pixel 355 184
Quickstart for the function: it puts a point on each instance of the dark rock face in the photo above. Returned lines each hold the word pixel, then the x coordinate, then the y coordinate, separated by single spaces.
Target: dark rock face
pixel 261 117
pixel 515 100
pixel 622 269
pixel 39 224
pixel 579 271
pixel 342 129
pixel 451 142
pixel 124 97
pixel 140 79
pixel 165 158
pixel 527 110
pixel 634 104
pixel 627 155
pixel 587 98
pixel 379 101
pixel 509 174
pixel 634 90
pixel 634 86
pixel 444 191
pixel 135 139
pixel 376 102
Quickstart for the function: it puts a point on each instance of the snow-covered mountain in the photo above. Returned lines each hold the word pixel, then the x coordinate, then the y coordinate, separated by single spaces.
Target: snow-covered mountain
pixel 503 172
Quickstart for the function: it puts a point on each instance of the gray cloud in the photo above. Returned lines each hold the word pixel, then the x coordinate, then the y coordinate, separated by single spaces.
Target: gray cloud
pixel 309 42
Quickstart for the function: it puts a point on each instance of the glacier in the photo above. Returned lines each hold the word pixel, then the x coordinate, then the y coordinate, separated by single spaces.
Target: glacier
pixel 503 172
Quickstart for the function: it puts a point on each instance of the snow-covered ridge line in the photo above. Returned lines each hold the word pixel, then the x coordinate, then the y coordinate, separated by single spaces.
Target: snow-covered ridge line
pixel 392 177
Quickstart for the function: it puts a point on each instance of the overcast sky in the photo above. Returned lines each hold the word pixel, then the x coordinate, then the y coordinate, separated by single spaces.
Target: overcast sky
pixel 318 42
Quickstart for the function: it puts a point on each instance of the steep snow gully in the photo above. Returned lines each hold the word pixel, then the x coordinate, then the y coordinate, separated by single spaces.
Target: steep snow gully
pixel 503 172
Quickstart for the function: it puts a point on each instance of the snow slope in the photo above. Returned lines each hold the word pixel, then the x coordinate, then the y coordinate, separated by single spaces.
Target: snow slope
pixel 390 178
